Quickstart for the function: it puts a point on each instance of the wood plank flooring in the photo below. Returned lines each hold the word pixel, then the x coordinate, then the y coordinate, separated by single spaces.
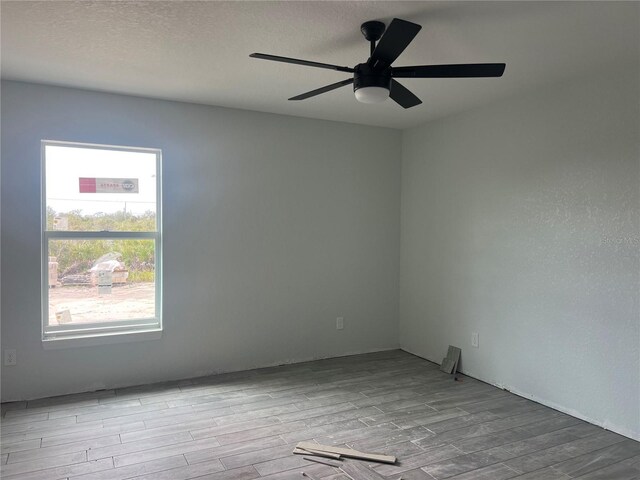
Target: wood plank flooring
pixel 243 426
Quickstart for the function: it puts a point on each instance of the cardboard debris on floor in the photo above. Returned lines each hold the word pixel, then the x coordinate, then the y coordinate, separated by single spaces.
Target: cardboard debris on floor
pixel 331 463
pixel 343 452
pixel 317 453
pixel 450 362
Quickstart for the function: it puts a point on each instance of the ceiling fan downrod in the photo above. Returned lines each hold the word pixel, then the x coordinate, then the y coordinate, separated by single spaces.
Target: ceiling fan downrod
pixel 372 31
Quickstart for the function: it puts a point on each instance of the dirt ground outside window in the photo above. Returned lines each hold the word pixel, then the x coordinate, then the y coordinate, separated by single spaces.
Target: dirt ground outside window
pixel 125 302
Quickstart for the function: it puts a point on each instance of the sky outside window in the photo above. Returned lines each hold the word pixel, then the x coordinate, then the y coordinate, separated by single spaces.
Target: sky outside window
pixel 66 165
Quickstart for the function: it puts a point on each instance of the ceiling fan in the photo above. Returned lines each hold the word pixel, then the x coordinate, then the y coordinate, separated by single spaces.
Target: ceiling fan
pixel 375 80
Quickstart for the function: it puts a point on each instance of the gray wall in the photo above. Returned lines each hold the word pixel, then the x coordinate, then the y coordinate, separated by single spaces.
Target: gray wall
pixel 520 221
pixel 273 227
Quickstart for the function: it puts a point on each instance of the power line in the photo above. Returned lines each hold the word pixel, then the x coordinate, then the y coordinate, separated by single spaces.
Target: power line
pixel 91 201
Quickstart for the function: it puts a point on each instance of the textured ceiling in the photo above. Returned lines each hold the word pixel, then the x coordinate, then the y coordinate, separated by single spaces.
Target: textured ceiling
pixel 198 51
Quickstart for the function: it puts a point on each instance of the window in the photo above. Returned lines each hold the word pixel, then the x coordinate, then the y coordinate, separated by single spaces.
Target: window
pixel 101 240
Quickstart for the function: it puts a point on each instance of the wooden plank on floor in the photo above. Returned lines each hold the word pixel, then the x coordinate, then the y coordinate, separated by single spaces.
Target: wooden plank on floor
pixel 246 457
pixel 589 462
pixel 52 438
pixel 142 445
pixel 433 455
pixel 628 469
pixel 348 452
pixel 199 453
pixel 48 452
pixel 195 471
pixel 136 470
pixel 225 429
pixel 42 464
pixel 20 446
pixel 483 442
pixel 465 463
pixel 498 471
pixel 65 471
pixel 550 456
pixel 261 432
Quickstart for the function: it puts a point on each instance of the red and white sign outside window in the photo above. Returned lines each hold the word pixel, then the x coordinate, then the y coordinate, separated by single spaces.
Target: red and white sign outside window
pixel 108 185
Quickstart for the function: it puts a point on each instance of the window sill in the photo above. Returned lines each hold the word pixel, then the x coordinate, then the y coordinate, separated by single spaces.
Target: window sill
pixel 101 339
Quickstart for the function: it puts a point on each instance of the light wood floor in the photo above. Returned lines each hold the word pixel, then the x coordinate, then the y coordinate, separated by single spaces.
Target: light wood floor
pixel 243 426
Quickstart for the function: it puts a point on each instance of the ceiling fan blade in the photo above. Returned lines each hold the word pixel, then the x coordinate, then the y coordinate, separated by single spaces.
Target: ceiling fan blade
pixel 403 96
pixel 296 61
pixel 324 89
pixel 465 70
pixel 396 38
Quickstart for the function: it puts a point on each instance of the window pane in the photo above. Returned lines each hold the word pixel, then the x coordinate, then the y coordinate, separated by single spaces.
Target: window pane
pixel 97 189
pixel 93 281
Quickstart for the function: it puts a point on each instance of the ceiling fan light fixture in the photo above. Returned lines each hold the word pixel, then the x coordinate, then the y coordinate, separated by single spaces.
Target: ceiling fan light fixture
pixel 372 94
pixel 371 85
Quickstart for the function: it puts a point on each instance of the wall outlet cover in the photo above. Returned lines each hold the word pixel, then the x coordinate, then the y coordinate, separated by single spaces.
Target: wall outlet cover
pixel 10 357
pixel 339 323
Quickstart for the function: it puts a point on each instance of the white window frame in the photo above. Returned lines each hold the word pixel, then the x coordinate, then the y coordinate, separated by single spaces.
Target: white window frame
pixel 108 328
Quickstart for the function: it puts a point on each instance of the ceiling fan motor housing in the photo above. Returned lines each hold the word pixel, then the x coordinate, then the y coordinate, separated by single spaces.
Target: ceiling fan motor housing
pixel 366 76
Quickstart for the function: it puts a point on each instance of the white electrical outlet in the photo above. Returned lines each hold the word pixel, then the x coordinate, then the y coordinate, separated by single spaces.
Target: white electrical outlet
pixel 339 323
pixel 10 357
pixel 475 341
